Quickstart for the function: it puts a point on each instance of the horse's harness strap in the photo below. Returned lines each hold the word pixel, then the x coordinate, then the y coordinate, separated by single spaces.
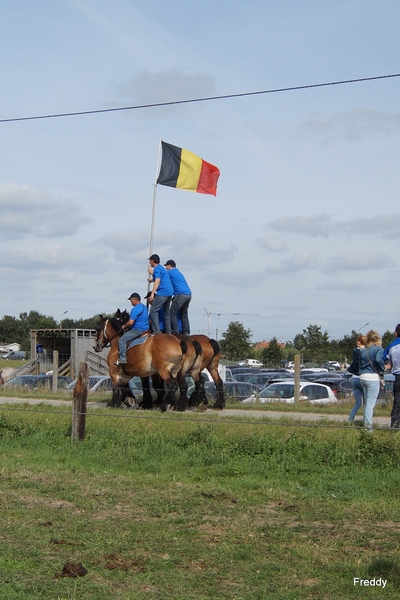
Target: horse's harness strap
pixel 108 340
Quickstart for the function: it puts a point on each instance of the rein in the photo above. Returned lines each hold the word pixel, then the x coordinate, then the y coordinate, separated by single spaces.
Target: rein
pixel 109 340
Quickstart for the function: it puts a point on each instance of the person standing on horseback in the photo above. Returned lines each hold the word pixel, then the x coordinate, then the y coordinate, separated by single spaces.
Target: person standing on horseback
pixel 163 287
pixel 138 323
pixel 181 299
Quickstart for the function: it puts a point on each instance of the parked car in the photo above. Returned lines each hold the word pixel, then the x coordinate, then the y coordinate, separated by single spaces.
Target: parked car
pixel 37 382
pixel 250 362
pixel 315 393
pixel 14 355
pixel 243 376
pixel 261 380
pixel 102 383
pixel 338 382
pixel 233 390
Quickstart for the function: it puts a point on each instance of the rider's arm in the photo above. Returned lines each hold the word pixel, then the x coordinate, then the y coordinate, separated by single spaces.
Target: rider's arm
pixel 155 288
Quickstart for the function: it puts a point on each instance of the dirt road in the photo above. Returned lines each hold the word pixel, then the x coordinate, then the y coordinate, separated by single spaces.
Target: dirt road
pixel 226 413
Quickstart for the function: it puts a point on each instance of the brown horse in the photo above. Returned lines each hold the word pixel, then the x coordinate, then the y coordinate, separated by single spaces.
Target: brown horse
pixel 163 354
pixel 192 365
pixel 211 355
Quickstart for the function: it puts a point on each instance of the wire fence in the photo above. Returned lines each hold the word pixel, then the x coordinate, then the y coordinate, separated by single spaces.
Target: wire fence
pixel 220 419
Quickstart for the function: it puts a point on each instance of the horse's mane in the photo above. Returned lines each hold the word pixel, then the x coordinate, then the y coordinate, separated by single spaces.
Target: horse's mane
pixel 119 319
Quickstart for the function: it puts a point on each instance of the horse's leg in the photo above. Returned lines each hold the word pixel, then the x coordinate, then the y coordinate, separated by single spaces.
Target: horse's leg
pixel 147 401
pixel 199 394
pixel 219 386
pixel 158 386
pixel 127 397
pixel 116 398
pixel 183 399
pixel 171 385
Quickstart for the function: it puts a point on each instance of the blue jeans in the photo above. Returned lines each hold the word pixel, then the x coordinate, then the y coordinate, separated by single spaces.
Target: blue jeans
pixel 395 416
pixel 158 302
pixel 125 340
pixel 180 303
pixel 371 388
pixel 358 396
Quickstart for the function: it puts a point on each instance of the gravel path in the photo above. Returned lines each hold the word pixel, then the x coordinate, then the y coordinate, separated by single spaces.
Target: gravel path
pixel 228 413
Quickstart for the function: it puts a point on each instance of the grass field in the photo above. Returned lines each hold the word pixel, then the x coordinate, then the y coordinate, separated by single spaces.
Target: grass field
pixel 163 506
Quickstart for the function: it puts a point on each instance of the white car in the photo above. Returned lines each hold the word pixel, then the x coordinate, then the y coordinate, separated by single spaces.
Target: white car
pixel 283 391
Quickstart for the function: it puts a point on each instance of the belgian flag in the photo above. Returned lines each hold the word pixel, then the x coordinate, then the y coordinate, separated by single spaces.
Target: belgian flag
pixel 184 170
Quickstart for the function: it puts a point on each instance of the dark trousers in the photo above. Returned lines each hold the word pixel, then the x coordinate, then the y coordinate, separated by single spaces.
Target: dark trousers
pixel 395 416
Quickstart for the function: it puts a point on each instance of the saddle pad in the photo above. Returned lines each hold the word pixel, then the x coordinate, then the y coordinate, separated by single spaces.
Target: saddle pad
pixel 138 341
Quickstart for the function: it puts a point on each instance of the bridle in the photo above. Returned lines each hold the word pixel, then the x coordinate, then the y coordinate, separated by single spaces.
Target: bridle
pixel 107 339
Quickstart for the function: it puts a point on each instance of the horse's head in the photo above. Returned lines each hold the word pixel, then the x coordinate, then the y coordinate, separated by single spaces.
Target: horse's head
pixel 108 329
pixel 101 337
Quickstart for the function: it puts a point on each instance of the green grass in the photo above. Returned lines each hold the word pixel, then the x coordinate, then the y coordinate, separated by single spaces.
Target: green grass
pixel 157 506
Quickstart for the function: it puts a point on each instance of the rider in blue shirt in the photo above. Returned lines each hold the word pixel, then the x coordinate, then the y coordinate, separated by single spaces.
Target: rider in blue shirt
pixel 163 287
pixel 138 323
pixel 181 299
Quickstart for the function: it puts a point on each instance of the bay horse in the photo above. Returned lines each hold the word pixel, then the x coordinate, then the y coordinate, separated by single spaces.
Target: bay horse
pixel 211 355
pixel 208 357
pixel 191 365
pixel 163 354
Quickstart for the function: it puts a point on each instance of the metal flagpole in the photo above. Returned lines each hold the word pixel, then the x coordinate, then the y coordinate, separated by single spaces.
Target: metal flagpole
pixel 153 212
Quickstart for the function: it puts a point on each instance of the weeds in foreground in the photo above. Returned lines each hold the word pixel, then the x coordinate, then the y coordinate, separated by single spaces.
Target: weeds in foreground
pixel 163 508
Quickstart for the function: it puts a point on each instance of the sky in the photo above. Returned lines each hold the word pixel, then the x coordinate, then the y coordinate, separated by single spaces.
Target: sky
pixel 305 225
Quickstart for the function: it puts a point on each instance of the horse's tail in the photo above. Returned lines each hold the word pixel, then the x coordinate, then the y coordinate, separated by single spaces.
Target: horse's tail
pixel 198 348
pixel 215 346
pixel 184 347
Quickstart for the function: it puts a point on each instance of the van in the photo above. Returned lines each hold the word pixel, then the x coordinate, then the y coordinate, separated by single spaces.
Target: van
pixel 14 355
pixel 252 362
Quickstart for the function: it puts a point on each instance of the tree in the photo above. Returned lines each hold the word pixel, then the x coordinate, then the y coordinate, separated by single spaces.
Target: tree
pixel 11 330
pixel 347 344
pixel 35 320
pixel 313 342
pixel 273 354
pixel 235 341
pixel 388 338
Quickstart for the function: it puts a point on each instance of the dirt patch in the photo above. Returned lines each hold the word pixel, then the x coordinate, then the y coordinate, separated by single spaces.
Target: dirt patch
pixel 117 562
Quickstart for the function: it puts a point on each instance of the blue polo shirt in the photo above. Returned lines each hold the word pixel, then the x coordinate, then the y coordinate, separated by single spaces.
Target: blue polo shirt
pixel 139 315
pixel 165 288
pixel 179 283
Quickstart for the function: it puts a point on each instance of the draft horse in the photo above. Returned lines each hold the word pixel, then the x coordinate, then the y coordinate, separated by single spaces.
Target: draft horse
pixel 163 354
pixel 211 355
pixel 191 365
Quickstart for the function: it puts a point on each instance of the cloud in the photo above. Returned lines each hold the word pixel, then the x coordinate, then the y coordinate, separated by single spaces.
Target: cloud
pixel 387 226
pixel 167 86
pixel 315 225
pixel 52 256
pixel 26 212
pixel 181 246
pixel 353 124
pixel 358 262
pixel 273 244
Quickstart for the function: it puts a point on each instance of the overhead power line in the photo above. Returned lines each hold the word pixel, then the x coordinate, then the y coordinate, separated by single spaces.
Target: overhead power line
pixel 206 99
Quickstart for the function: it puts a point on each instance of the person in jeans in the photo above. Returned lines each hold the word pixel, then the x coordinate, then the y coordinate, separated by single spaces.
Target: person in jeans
pixel 138 323
pixel 181 300
pixel 354 368
pixel 372 366
pixel 163 287
pixel 392 358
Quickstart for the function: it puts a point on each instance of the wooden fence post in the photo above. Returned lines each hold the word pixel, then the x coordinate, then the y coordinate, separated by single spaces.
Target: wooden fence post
pixel 80 403
pixel 54 381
